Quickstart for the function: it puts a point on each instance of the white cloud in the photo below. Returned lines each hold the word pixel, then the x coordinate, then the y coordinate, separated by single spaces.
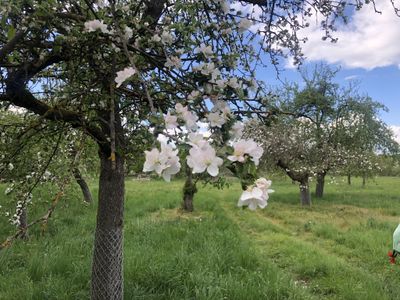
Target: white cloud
pixel 368 41
pixel 396 131
pixel 351 77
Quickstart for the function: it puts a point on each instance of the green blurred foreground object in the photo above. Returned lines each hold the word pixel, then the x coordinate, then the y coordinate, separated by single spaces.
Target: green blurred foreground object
pixel 396 239
pixel 396 245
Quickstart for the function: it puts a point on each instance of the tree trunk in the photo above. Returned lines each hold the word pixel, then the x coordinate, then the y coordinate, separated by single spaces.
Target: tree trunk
pixel 107 268
pixel 189 189
pixel 349 179
pixel 305 196
pixel 319 189
pixel 364 180
pixel 87 196
pixel 23 223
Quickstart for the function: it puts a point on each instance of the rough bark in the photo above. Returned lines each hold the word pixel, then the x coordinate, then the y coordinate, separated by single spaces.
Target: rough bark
pixel 305 196
pixel 87 195
pixel 107 273
pixel 349 179
pixel 319 188
pixel 189 189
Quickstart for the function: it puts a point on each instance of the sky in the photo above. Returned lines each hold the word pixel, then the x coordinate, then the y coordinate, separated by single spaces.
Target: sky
pixel 367 50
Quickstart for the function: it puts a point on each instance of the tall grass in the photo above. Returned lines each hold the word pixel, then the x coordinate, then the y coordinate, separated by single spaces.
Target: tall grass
pixel 335 250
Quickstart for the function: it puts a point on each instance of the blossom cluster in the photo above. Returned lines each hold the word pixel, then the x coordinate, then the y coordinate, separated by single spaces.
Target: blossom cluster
pixel 256 195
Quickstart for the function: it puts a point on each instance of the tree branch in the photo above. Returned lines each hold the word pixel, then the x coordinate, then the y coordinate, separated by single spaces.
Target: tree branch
pixel 9 47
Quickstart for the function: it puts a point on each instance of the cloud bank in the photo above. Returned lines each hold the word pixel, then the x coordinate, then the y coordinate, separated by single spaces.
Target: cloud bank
pixel 368 41
pixel 396 131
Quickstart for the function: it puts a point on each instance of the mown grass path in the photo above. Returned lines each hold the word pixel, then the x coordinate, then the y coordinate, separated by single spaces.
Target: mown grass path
pixel 333 251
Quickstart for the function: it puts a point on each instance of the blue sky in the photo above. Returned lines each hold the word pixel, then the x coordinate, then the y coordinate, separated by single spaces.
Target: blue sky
pixel 368 50
pixel 382 84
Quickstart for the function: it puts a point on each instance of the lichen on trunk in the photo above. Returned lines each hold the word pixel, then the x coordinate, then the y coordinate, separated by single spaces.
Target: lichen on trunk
pixel 189 190
pixel 305 196
pixel 319 188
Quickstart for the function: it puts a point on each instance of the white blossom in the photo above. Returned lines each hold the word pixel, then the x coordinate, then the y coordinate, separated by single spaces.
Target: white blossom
pixel 173 62
pixel 180 109
pixel 236 131
pixel 167 38
pixel 128 33
pixel 204 158
pixel 253 197
pixel 193 95
pixel 206 50
pixel 244 24
pixel 187 116
pixel 123 75
pixel 171 122
pixel 156 38
pixel 249 147
pixel 223 107
pixel 216 119
pixel 165 162
pixel 190 120
pixel 207 68
pixel 264 185
pixel 233 83
pixel 221 83
pixel 197 140
pixel 94 25
pixel 225 6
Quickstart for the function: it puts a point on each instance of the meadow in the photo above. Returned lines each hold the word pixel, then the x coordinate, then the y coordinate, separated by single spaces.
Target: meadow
pixel 337 249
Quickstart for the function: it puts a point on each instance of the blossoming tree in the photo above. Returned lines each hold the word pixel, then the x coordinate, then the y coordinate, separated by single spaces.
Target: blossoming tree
pixel 322 127
pixel 98 65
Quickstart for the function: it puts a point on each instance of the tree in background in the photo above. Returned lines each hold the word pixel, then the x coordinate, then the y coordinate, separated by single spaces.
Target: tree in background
pixel 366 136
pixel 321 128
pixel 42 153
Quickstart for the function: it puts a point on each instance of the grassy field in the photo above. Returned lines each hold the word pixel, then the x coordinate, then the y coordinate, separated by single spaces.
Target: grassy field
pixel 334 250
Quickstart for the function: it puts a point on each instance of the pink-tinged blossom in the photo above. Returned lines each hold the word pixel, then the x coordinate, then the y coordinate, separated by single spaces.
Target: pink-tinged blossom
pixel 203 159
pixel 216 119
pixel 223 107
pixel 253 197
pixel 233 83
pixel 187 116
pixel 123 75
pixel 190 120
pixel 264 185
pixel 221 83
pixel 206 50
pixel 246 147
pixel 197 140
pixel 156 38
pixel 224 6
pixel 165 162
pixel 171 122
pixel 193 95
pixel 244 24
pixel 94 25
pixel 167 38
pixel 207 68
pixel 256 195
pixel 236 131
pixel 180 109
pixel 173 62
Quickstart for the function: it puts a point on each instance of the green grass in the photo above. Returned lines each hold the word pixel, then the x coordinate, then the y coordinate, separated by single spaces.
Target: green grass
pixel 334 250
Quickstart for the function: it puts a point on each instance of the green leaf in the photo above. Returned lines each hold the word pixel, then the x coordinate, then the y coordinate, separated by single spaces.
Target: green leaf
pixel 10 33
